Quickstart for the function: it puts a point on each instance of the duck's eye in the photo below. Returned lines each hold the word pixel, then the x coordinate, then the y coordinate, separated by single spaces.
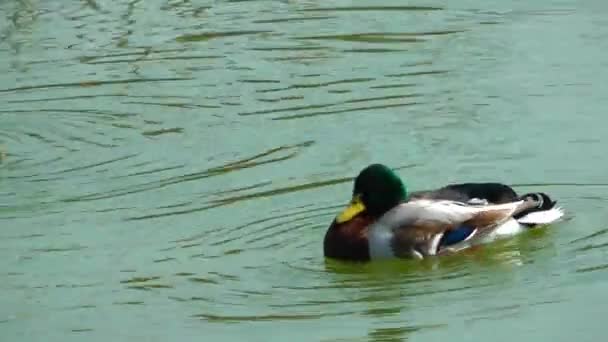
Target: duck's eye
pixel 356 199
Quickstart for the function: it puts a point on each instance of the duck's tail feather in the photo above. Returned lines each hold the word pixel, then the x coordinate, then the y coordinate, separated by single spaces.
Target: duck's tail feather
pixel 545 213
pixel 542 217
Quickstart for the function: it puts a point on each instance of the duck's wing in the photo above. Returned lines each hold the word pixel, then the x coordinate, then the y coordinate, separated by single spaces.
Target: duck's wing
pixel 421 228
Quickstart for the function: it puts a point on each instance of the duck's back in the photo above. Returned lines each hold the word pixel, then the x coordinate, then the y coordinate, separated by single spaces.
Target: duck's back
pixel 492 192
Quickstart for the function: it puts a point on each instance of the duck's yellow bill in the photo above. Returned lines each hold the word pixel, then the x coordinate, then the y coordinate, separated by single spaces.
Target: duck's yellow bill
pixel 354 208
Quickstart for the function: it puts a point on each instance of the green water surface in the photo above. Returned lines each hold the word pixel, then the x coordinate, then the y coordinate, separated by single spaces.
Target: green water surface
pixel 168 168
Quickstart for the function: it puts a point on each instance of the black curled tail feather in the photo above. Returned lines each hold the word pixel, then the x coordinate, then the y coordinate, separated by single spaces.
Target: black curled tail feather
pixel 544 202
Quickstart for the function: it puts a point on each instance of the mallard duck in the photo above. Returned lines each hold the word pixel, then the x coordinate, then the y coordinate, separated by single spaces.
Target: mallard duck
pixel 382 221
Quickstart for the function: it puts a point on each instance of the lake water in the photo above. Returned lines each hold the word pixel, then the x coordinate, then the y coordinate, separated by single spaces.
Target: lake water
pixel 169 168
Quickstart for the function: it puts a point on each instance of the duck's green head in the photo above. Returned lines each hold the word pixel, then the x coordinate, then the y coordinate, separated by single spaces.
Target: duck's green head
pixel 377 189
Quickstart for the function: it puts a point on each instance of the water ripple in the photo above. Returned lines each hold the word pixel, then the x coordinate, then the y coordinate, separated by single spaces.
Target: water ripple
pixel 268 317
pixel 356 109
pixel 371 8
pixel 197 37
pixel 93 83
pixel 355 100
pixel 231 200
pixel 592 268
pixel 249 162
pixel 384 37
pixel 291 19
pixel 177 161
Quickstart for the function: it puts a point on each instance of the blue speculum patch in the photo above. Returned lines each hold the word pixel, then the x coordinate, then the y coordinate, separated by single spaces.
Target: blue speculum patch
pixel 456 235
